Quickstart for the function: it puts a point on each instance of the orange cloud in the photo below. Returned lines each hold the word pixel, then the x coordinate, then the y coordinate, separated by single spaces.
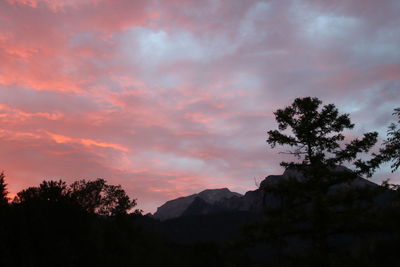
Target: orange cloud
pixel 61 139
pixel 13 113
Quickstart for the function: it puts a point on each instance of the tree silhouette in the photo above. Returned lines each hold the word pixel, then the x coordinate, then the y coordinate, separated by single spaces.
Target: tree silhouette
pixel 52 221
pixel 317 134
pixel 389 152
pixel 100 198
pixel 3 190
pixel 391 146
pixel 96 197
pixel 51 191
pixel 313 134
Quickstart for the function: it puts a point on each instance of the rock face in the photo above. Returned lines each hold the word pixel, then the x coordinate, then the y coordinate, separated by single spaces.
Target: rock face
pixel 214 201
pixel 205 199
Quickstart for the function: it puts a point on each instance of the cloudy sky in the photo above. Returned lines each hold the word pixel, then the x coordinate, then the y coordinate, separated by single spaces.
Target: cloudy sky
pixel 170 97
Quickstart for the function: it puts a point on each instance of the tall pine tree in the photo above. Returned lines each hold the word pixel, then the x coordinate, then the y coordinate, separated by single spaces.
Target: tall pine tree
pixel 307 207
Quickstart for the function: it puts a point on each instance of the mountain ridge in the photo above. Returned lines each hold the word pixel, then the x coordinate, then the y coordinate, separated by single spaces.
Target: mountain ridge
pixel 211 201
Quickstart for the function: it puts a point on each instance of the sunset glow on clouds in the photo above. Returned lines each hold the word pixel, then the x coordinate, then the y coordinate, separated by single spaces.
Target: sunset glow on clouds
pixel 168 98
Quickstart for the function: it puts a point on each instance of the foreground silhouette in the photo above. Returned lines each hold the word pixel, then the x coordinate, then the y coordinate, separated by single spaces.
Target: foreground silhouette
pixel 88 223
pixel 316 214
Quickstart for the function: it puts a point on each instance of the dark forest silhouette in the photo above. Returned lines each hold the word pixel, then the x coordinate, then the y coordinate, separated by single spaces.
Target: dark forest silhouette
pixel 320 215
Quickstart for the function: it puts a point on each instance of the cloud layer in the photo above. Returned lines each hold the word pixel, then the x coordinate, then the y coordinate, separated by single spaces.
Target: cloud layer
pixel 171 97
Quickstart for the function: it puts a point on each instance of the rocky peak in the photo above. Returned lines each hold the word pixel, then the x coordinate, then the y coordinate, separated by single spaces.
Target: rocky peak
pixel 213 195
pixel 177 207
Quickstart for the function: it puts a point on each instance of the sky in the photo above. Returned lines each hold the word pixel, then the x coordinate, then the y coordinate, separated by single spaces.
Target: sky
pixel 171 97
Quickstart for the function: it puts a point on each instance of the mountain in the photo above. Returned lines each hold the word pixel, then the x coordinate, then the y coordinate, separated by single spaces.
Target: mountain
pixel 219 215
pixel 182 206
pixel 213 201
